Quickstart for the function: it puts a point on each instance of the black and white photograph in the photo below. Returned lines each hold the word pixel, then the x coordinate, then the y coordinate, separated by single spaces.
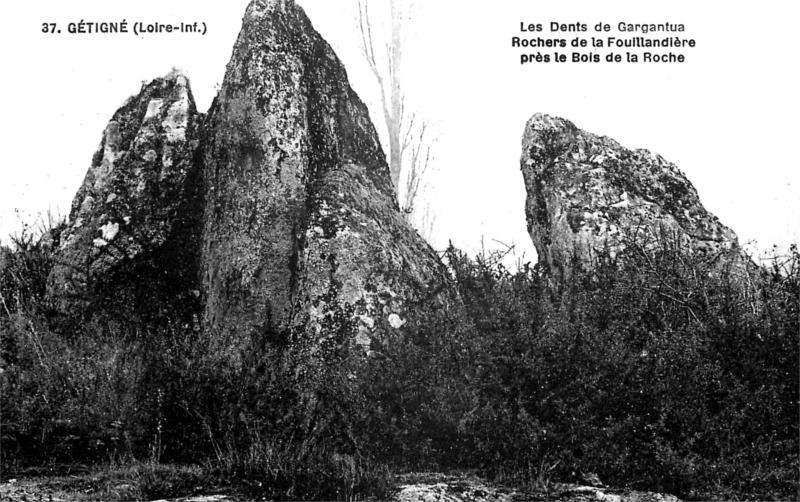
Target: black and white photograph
pixel 399 250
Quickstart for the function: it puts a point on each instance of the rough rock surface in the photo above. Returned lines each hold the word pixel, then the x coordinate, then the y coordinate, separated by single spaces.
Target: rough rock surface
pixel 273 213
pixel 134 218
pixel 301 227
pixel 586 192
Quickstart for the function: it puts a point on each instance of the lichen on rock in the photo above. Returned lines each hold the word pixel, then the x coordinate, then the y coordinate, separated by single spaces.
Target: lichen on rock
pixel 138 198
pixel 302 231
pixel 276 206
pixel 587 194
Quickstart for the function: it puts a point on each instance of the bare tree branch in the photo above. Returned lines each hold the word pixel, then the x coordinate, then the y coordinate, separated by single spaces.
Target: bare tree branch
pixel 409 138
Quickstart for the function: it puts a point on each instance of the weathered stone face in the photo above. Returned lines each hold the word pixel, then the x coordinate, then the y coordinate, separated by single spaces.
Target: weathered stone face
pixel 301 226
pixel 274 212
pixel 587 193
pixel 136 209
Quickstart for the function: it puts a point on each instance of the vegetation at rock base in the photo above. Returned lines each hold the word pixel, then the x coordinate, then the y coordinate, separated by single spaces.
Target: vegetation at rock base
pixel 657 370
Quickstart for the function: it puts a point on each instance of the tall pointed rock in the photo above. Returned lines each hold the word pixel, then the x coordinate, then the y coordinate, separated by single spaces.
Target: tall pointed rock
pixel 301 227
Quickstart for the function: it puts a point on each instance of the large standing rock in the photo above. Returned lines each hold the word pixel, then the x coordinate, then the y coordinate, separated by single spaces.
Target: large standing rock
pixel 275 212
pixel 301 225
pixel 133 229
pixel 587 193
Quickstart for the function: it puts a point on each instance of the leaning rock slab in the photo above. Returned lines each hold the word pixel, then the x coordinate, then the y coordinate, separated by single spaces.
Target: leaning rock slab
pixel 133 225
pixel 587 193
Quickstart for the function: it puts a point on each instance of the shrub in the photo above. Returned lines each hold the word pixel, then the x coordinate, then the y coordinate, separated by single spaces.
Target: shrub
pixel 660 368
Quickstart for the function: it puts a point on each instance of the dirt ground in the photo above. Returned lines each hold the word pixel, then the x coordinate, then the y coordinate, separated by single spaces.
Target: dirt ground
pixel 411 488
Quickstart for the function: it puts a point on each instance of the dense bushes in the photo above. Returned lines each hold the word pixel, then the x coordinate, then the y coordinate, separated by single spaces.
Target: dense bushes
pixel 107 386
pixel 660 368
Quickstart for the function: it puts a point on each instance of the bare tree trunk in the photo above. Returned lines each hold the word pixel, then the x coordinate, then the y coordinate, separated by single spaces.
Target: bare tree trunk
pixel 395 125
pixel 409 145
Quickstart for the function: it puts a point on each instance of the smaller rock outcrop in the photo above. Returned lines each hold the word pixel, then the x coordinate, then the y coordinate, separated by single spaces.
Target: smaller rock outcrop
pixel 587 193
pixel 134 221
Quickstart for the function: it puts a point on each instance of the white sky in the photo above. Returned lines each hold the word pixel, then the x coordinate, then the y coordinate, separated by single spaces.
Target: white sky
pixel 727 116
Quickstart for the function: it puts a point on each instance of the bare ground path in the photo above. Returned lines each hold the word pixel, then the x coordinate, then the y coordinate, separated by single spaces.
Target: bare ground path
pixel 429 487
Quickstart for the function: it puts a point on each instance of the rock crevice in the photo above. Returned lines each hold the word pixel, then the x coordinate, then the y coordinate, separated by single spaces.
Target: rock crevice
pixel 276 207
